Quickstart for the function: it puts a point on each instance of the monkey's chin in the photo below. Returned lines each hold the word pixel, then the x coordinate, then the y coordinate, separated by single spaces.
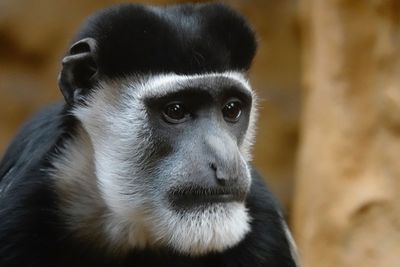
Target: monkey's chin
pixel 212 228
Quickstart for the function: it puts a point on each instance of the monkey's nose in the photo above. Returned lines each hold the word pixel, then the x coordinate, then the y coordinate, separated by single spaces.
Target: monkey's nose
pixel 223 178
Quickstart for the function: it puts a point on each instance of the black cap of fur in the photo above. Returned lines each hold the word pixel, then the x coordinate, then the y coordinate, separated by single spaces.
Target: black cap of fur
pixel 184 39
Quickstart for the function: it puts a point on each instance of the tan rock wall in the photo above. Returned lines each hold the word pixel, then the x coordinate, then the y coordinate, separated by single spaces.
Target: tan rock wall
pixel 346 209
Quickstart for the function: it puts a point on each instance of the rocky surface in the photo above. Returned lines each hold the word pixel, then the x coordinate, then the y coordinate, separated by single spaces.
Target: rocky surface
pixel 346 209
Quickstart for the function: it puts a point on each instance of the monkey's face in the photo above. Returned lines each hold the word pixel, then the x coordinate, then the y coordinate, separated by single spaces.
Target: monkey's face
pixel 170 157
pixel 168 152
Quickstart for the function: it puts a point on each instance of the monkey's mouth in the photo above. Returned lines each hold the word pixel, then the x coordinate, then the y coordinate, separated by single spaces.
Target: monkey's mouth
pixel 199 197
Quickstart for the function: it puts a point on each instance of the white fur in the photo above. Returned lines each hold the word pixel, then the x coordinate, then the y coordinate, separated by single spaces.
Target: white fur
pixel 292 244
pixel 6 182
pixel 102 184
pixel 215 229
pixel 165 83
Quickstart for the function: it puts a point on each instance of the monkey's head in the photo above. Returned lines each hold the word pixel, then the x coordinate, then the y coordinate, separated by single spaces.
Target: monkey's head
pixel 168 117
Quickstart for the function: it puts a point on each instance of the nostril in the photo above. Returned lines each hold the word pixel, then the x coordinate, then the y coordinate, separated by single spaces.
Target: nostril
pixel 213 167
pixel 221 181
pixel 221 177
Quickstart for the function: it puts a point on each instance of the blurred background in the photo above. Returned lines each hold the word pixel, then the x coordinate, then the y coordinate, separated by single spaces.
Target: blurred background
pixel 328 75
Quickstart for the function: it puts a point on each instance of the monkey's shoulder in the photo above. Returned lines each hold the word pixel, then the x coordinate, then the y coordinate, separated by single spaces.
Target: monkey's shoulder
pixel 26 196
pixel 268 238
pixel 33 140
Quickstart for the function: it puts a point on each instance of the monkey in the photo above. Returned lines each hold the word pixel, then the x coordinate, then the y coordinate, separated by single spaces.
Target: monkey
pixel 146 160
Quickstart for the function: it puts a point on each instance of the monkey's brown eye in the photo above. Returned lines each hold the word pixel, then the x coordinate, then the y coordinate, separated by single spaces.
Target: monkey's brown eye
pixel 232 111
pixel 175 113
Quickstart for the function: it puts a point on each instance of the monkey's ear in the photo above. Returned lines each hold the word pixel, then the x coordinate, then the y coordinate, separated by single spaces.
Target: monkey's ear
pixel 79 70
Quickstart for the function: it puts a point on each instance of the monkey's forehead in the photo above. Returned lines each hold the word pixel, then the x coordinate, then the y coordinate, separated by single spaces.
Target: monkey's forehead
pixel 184 39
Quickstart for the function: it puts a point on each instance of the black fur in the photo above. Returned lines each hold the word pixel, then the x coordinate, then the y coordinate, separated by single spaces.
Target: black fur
pixel 185 39
pixel 131 39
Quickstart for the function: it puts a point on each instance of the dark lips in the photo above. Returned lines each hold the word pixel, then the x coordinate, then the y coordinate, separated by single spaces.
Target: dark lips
pixel 194 196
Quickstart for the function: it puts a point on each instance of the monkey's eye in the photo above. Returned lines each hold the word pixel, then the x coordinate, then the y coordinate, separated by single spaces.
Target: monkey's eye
pixel 232 110
pixel 175 113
